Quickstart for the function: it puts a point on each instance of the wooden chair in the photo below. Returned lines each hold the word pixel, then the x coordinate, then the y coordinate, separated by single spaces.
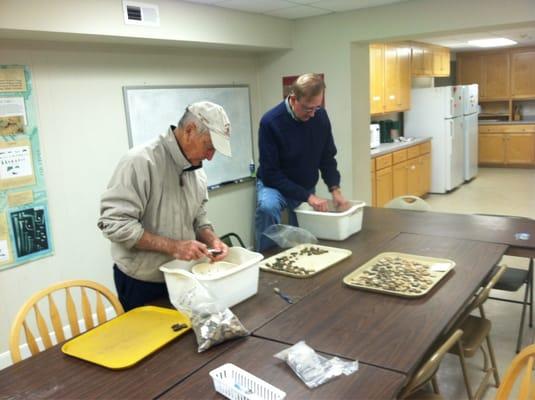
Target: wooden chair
pixel 520 369
pixel 427 371
pixel 476 333
pixel 407 202
pixel 42 326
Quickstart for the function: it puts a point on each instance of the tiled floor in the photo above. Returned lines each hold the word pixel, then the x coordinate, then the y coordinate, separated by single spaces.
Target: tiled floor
pixel 494 191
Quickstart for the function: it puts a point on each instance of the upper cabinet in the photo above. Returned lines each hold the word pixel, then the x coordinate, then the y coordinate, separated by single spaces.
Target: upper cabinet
pixel 490 70
pixel 390 77
pixel 523 73
pixel 430 60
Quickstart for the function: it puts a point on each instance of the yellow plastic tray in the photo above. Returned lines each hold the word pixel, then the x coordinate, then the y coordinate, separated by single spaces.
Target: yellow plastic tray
pixel 127 339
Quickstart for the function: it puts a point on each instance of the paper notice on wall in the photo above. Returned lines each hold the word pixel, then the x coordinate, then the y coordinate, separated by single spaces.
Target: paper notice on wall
pixel 5 248
pixel 12 107
pixel 15 162
pixel 12 80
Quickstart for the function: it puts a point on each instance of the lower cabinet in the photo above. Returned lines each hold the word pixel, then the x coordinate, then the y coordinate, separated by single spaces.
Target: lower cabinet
pixel 402 172
pixel 507 145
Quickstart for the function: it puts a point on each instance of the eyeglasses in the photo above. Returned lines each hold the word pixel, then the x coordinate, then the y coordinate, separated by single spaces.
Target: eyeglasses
pixel 308 110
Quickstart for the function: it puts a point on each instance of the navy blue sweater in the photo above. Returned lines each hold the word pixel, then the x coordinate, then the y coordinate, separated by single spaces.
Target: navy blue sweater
pixel 293 152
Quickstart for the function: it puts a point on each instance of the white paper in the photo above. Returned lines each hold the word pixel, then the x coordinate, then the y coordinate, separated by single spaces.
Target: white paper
pixel 4 255
pixel 12 106
pixel 15 162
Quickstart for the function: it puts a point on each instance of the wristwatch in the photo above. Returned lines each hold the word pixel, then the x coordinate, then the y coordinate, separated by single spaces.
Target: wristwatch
pixel 333 188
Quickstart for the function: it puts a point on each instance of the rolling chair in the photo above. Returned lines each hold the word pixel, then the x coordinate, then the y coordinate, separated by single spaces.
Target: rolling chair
pixel 408 202
pixel 40 326
pixel 512 280
pixel 228 239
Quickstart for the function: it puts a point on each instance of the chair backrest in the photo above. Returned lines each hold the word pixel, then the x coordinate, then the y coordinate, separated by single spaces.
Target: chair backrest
pixel 430 367
pixel 42 325
pixel 520 368
pixel 483 294
pixel 227 239
pixel 408 202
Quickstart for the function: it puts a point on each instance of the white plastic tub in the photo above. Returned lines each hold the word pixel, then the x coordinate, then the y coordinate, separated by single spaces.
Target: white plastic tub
pixel 228 288
pixel 331 225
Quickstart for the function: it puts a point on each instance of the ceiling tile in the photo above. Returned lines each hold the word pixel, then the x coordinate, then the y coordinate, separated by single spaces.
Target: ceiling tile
pixel 298 12
pixel 347 5
pixel 255 6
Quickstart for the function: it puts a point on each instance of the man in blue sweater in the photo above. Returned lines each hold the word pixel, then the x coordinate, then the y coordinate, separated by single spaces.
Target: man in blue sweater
pixel 295 143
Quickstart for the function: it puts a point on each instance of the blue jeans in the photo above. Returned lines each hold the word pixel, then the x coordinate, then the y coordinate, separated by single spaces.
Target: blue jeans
pixel 134 293
pixel 269 205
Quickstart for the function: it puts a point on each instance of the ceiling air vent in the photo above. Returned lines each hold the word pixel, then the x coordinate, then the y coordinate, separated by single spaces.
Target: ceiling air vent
pixel 141 13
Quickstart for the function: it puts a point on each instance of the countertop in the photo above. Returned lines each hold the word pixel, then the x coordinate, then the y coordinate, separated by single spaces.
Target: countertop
pixel 523 122
pixel 386 148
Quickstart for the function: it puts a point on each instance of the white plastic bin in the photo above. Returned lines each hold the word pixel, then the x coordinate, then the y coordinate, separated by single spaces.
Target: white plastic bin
pixel 229 288
pixel 237 384
pixel 331 225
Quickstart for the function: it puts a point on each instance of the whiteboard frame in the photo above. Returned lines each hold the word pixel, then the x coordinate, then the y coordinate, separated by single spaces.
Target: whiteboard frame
pixel 150 87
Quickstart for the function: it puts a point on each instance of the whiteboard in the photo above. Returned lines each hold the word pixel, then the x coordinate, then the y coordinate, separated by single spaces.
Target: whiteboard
pixel 151 109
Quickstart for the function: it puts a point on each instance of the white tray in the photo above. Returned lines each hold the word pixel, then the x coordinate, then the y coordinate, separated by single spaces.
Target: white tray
pixel 237 384
pixel 313 263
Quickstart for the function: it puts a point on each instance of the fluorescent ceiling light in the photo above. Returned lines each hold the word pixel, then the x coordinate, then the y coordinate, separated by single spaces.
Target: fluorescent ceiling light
pixel 494 42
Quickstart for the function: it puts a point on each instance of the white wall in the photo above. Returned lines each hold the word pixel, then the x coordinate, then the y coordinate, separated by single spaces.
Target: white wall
pixel 83 133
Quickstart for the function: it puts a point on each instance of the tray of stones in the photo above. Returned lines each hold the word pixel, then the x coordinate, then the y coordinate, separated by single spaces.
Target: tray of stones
pixel 399 274
pixel 304 260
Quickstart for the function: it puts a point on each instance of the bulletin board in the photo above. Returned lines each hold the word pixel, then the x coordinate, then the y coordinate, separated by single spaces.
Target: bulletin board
pixel 24 223
pixel 151 109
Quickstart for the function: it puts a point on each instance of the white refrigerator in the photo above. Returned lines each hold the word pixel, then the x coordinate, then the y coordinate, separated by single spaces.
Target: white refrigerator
pixel 470 130
pixel 438 113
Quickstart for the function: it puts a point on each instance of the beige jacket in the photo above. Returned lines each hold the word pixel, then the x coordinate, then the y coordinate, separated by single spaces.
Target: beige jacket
pixel 150 190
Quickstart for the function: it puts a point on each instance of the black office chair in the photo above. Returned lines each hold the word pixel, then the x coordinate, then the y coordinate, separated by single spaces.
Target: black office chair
pixel 227 239
pixel 511 281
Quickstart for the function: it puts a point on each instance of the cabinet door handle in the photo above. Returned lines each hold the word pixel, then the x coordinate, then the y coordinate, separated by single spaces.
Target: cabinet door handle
pixel 376 98
pixel 392 97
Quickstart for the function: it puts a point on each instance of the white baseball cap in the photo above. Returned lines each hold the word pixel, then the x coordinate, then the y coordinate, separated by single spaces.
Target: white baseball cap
pixel 216 120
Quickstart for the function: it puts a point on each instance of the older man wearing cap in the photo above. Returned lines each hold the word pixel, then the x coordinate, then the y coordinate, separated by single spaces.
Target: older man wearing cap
pixel 153 209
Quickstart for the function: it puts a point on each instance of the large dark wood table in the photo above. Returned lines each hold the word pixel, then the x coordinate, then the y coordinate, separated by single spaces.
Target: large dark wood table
pixel 388 335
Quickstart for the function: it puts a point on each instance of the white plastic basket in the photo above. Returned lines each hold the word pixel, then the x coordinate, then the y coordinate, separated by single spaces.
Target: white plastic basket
pixel 331 225
pixel 237 384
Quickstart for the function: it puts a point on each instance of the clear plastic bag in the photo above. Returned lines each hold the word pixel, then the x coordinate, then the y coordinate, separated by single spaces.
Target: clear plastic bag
pixel 313 369
pixel 287 236
pixel 211 323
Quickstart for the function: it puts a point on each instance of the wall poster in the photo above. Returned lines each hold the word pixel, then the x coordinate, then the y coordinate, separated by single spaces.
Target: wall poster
pixel 24 224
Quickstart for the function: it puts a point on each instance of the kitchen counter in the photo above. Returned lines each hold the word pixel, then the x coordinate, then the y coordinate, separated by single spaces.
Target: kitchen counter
pixel 523 122
pixel 386 148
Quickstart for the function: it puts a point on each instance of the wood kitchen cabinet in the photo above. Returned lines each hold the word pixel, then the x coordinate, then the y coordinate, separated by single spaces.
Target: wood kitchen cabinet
pixel 402 172
pixel 507 145
pixel 523 73
pixel 390 78
pixel 490 70
pixel 429 60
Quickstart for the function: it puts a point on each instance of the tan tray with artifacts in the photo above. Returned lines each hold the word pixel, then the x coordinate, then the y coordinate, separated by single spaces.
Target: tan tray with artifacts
pixel 400 274
pixel 304 260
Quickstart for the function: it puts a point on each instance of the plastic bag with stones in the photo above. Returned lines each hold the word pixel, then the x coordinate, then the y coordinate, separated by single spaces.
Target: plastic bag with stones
pixel 314 369
pixel 211 323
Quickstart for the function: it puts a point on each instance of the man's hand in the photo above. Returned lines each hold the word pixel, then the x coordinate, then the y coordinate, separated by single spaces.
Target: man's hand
pixel 339 201
pixel 189 250
pixel 220 250
pixel 317 203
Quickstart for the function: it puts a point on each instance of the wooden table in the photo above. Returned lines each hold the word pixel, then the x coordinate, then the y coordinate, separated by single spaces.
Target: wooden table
pixel 492 229
pixel 256 356
pixel 388 331
pixel 389 335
